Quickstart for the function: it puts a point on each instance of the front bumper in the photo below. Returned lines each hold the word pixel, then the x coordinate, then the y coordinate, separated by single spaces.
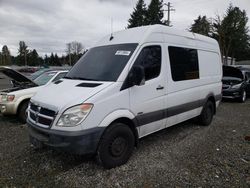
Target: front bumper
pixel 232 94
pixel 78 142
pixel 7 108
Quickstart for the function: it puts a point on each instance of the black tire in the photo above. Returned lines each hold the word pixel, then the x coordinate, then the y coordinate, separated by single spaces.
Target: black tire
pixel 22 111
pixel 243 96
pixel 207 114
pixel 116 146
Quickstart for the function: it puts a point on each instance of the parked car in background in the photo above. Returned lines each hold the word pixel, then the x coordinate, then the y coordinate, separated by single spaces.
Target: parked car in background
pixel 15 100
pixel 236 83
pixel 27 70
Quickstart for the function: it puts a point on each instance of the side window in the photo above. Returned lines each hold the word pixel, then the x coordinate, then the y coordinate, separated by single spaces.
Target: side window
pixel 184 63
pixel 150 59
pixel 59 76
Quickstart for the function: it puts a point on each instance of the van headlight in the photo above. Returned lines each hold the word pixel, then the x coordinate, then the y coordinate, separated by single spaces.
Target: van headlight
pixel 74 115
pixel 236 86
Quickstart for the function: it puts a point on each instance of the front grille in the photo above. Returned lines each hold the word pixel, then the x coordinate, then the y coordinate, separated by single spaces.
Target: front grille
pixel 33 107
pixel 41 116
pixel 47 112
pixel 44 121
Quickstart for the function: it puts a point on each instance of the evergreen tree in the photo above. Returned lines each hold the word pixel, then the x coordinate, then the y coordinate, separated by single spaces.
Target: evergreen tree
pixel 46 60
pixel 5 56
pixel 22 53
pixel 232 32
pixel 137 18
pixel 57 61
pixel 52 59
pixel 201 26
pixel 155 13
pixel 33 58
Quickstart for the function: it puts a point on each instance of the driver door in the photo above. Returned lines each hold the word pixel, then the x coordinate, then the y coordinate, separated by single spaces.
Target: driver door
pixel 147 101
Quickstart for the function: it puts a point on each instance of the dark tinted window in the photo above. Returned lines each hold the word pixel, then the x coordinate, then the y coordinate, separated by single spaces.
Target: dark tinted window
pixel 184 63
pixel 150 59
pixel 103 63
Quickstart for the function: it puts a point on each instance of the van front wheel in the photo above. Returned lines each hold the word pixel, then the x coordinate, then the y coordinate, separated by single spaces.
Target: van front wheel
pixel 116 146
pixel 207 114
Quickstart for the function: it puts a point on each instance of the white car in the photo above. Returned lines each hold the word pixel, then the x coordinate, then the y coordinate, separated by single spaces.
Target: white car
pixel 15 100
pixel 129 85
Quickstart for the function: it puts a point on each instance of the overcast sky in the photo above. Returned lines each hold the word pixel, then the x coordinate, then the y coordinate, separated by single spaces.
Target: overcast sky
pixel 47 25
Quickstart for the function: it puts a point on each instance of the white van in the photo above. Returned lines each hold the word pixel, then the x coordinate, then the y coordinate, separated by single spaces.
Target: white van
pixel 129 85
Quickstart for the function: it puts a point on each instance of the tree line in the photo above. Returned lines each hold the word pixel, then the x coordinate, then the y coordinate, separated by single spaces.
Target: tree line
pixel 29 57
pixel 230 30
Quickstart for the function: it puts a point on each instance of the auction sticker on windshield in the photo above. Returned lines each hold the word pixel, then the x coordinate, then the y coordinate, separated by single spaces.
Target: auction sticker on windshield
pixel 121 52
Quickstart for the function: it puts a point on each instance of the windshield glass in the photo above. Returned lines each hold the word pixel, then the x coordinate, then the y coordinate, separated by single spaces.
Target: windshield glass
pixel 44 78
pixel 103 63
pixel 37 73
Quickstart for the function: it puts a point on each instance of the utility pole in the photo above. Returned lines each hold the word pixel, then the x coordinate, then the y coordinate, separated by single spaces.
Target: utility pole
pixel 169 10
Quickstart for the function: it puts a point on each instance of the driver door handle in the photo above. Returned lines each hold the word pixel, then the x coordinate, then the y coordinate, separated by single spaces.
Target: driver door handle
pixel 159 87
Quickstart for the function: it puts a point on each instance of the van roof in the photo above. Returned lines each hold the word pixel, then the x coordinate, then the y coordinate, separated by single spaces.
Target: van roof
pixel 143 34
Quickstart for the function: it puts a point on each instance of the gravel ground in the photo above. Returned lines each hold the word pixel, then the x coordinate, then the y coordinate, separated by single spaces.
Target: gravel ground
pixel 186 155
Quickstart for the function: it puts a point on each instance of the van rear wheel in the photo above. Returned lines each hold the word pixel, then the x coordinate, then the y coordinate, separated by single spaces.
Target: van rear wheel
pixel 116 146
pixel 207 114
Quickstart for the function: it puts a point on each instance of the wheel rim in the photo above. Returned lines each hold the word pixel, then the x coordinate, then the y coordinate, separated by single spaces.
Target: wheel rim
pixel 244 96
pixel 118 146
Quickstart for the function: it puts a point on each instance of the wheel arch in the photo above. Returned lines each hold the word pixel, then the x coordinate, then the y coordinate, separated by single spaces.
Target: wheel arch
pixel 121 116
pixel 210 97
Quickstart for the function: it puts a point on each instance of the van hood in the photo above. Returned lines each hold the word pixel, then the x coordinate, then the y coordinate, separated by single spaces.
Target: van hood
pixel 19 78
pixel 66 93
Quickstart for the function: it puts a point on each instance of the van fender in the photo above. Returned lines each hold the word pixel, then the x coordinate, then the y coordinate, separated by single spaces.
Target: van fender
pixel 214 99
pixel 121 113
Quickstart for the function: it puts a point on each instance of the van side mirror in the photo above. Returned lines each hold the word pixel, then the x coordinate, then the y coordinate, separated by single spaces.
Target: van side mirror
pixel 137 76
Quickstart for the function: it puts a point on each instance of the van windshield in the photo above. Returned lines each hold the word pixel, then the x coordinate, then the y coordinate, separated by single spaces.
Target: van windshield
pixel 103 63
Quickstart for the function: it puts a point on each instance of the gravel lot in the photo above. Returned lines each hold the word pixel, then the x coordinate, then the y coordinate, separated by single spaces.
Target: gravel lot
pixel 186 155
